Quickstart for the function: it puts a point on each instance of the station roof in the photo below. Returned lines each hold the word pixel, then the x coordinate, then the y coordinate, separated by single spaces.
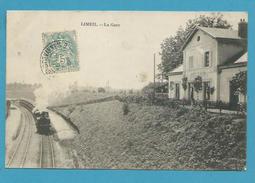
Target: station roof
pixel 216 33
pixel 177 70
pixel 221 33
pixel 240 59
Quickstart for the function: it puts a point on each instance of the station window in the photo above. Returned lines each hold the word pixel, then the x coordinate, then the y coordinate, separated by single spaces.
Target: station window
pixel 207 59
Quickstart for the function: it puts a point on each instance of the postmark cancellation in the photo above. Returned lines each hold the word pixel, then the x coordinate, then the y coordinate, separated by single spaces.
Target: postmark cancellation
pixel 60 53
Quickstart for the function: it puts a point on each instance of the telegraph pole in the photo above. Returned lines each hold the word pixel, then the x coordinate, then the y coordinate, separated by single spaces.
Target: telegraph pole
pixel 154 76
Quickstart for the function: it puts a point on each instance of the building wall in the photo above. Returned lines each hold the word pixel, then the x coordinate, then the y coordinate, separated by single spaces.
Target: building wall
pixel 175 79
pixel 197 49
pixel 220 51
pixel 225 77
pixel 227 50
pixel 210 77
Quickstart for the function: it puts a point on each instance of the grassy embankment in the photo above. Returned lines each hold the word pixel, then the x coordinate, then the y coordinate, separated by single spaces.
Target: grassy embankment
pixel 155 137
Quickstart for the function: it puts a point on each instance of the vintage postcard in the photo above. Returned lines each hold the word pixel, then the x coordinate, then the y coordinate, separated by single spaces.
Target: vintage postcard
pixel 126 90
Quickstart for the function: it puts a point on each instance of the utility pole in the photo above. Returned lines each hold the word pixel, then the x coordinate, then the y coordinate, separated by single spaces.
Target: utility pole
pixel 154 76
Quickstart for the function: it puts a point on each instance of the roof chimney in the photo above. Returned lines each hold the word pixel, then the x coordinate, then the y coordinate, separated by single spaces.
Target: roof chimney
pixel 242 28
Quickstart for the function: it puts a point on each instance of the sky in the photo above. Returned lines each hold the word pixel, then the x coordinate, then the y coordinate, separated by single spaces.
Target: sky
pixel 121 56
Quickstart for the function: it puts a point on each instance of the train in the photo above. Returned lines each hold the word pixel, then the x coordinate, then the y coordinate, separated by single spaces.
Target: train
pixel 43 124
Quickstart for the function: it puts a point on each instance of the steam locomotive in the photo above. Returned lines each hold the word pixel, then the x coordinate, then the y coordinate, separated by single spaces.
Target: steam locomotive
pixel 42 121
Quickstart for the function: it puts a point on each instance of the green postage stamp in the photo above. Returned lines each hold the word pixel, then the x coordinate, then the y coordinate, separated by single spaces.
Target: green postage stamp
pixel 60 53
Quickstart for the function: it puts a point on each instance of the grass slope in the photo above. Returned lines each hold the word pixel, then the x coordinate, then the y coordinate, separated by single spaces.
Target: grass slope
pixel 156 137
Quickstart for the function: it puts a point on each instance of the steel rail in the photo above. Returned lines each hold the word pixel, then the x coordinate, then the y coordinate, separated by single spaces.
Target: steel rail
pixel 19 143
pixel 28 142
pixel 50 152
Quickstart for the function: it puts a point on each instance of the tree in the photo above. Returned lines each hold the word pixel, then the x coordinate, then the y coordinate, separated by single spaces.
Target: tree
pixel 159 88
pixel 184 83
pixel 198 84
pixel 130 91
pixel 171 53
pixel 239 82
pixel 101 90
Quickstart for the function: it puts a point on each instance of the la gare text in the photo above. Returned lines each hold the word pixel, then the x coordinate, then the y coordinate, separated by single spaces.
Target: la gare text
pixel 95 24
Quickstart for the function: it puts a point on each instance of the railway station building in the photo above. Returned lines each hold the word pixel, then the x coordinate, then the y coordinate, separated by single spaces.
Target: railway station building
pixel 216 55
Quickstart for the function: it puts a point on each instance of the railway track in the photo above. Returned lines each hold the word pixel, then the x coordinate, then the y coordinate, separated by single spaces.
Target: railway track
pixel 47 156
pixel 19 155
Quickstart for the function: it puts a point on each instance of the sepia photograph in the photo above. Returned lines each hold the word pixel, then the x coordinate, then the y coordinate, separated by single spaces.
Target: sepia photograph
pixel 150 90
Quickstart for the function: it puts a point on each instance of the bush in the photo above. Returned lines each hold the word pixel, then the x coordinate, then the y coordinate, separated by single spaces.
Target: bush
pixel 158 87
pixel 181 112
pixel 243 107
pixel 140 99
pixel 125 108
pixel 239 82
pixel 146 100
pixel 101 90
